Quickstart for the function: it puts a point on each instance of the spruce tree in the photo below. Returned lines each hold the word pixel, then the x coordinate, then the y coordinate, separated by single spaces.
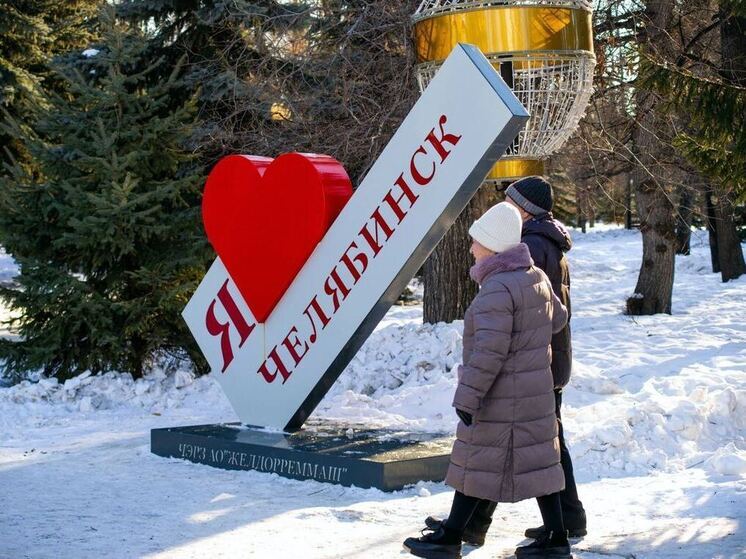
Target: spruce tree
pixel 230 47
pixel 107 232
pixel 32 32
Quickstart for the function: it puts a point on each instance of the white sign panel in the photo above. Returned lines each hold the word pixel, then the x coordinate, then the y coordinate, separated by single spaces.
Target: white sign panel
pixel 275 373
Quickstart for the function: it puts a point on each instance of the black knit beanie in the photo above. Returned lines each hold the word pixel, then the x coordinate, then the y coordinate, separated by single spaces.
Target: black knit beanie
pixel 533 194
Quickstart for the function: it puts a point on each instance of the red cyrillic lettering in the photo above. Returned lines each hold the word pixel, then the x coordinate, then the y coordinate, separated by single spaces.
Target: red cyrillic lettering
pixel 279 366
pixel 372 240
pixel 361 258
pixel 418 177
pixel 406 193
pixel 215 328
pixel 314 304
pixel 334 292
pixel 437 143
pixel 291 345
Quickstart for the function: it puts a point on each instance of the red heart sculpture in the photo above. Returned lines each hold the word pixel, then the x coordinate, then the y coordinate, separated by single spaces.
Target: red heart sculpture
pixel 264 218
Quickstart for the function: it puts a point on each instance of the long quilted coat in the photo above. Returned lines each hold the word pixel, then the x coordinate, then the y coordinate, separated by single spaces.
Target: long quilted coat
pixel 511 450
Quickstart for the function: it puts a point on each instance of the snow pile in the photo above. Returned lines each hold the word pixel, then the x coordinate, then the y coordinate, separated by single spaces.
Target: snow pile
pixel 404 375
pixel 51 401
pixel 728 461
pixel 86 393
pixel 664 426
pixel 410 354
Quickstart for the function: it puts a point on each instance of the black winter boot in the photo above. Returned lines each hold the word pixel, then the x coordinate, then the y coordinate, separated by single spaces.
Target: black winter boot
pixel 575 526
pixel 473 535
pixel 549 546
pixel 442 543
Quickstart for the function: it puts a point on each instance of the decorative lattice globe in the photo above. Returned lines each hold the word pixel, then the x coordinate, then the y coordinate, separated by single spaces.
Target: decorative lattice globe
pixel 543 49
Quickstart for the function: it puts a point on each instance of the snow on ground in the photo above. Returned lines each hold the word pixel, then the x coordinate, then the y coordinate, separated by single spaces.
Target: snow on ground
pixel 655 416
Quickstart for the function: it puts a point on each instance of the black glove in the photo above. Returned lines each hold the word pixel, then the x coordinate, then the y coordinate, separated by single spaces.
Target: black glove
pixel 464 416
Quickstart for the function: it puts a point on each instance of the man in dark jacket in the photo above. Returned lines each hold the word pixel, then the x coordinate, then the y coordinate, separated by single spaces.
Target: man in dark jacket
pixel 548 241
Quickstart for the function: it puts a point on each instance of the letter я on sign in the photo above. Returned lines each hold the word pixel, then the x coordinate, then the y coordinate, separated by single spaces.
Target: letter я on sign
pixel 306 269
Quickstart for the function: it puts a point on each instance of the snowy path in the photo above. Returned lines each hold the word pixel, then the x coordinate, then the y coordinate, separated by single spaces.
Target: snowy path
pixel 110 497
pixel 656 417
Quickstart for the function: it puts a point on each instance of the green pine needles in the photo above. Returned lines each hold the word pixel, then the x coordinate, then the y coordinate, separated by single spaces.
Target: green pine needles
pixel 715 141
pixel 105 227
pixel 717 144
pixel 31 33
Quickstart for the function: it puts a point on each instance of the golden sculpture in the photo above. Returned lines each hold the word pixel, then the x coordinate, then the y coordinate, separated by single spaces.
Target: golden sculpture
pixel 543 49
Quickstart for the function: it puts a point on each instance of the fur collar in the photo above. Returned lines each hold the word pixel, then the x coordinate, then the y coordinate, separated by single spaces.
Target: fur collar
pixel 514 258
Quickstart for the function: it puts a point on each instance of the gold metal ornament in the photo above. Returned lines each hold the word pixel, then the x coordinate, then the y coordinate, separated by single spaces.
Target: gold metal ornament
pixel 510 169
pixel 280 111
pixel 543 49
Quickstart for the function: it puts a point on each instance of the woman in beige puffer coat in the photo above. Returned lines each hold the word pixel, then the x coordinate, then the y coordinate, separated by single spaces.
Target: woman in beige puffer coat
pixel 506 447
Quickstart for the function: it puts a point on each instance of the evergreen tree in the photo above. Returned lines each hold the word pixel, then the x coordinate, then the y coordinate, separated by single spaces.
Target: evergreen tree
pixel 107 232
pixel 231 48
pixel 31 33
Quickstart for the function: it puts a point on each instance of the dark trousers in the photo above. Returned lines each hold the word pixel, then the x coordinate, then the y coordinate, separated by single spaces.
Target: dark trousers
pixel 470 511
pixel 572 508
pixel 475 515
pixel 573 514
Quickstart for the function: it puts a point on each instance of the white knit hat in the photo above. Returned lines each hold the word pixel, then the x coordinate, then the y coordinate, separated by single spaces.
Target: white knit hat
pixel 499 228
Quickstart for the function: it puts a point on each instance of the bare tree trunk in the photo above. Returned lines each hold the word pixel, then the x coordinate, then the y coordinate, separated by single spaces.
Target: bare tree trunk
pixel 684 221
pixel 448 288
pixel 591 216
pixel 654 288
pixel 730 253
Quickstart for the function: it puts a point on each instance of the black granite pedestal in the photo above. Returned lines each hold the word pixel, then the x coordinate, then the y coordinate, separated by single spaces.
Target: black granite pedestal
pixel 344 455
